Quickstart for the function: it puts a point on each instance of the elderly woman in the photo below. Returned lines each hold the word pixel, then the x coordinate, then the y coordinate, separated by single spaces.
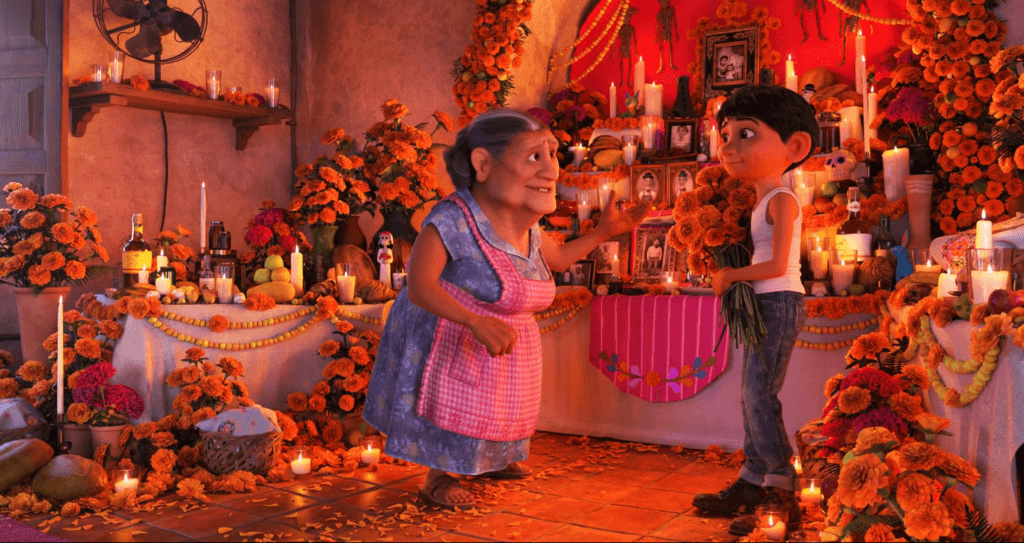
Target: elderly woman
pixel 456 384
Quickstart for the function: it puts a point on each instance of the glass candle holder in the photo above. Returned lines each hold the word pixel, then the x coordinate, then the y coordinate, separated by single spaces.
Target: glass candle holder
pixel 818 255
pixel 235 89
pixel 301 463
pixel 988 270
pixel 164 281
pixel 630 142
pixel 810 490
pixel 115 65
pixel 225 282
pixel 842 269
pixel 125 480
pixel 213 82
pixel 346 282
pixel 585 203
pixel 648 130
pixel 772 521
pixel 671 280
pixel 96 72
pixel 369 450
pixel 922 260
pixel 272 91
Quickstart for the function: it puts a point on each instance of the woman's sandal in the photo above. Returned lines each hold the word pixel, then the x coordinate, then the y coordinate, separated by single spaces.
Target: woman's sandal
pixel 515 470
pixel 439 491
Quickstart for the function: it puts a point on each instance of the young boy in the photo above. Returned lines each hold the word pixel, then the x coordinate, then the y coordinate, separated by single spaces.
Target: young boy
pixel 766 131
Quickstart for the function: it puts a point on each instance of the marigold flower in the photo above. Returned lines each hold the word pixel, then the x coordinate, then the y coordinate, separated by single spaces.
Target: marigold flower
pixel 860 480
pixel 914 489
pixel 88 348
pixel 297 401
pixel 22 199
pixel 317 403
pixel 879 532
pixel 346 403
pixel 928 522
pixel 854 400
pixel 918 456
pixel 79 413
pixel 869 437
pixel 959 469
pixel 163 460
pixel 1008 531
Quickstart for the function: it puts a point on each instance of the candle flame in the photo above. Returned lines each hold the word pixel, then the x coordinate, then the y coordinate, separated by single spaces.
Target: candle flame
pixel 812 487
pixel 949 271
pixel 929 263
pixel 990 268
pixel 872 88
pixel 790 56
pixel 161 251
pixel 143 269
pixel 983 214
pixel 296 247
pixel 125 478
pixel 771 521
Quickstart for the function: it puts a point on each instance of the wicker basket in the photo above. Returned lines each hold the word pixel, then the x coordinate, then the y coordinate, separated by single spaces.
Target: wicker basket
pixel 37 431
pixel 225 453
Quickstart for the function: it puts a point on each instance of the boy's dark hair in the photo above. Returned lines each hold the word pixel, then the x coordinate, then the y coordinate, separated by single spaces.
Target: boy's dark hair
pixel 781 109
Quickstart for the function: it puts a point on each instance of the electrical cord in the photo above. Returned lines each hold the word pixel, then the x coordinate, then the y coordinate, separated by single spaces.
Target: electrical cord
pixel 167 172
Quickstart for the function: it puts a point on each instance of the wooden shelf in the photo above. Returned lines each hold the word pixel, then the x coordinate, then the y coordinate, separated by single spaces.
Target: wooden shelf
pixel 88 99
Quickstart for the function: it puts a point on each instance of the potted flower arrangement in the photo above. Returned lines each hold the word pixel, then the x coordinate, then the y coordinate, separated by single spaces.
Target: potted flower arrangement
pixel 330 187
pixel 111 405
pixel 180 257
pixel 272 232
pixel 41 253
pixel 571 114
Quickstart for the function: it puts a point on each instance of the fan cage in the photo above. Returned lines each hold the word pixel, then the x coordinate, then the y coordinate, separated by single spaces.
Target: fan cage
pixel 100 8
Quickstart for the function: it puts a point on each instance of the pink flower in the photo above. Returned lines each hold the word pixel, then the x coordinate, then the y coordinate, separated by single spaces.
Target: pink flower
pixel 96 375
pixel 259 235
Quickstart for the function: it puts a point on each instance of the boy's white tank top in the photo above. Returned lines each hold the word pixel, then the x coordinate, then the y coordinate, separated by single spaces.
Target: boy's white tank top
pixel 761 232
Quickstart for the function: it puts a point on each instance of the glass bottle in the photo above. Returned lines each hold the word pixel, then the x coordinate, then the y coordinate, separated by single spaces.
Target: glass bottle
pixel 136 254
pixel 855 232
pixel 207 281
pixel 884 242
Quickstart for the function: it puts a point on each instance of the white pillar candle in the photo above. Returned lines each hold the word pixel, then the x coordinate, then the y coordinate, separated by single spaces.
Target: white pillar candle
pixel 864 100
pixel 896 168
pixel 792 82
pixel 818 260
pixel 983 238
pixel 615 265
pixel 612 102
pixel 603 195
pixel 947 284
pixel 272 91
pixel 638 80
pixel 842 275
pixel 125 484
pixel 225 294
pixel 296 276
pixel 811 494
pixel 872 111
pixel 144 274
pixel 202 218
pixel 845 130
pixel 860 44
pixel 163 283
pixel 648 131
pixel 369 455
pixel 629 153
pixel 583 205
pixel 301 465
pixel 115 68
pixel 161 260
pixel 346 284
pixel 60 358
pixel 983 283
pixel 579 152
pixel 713 144
pixel 853 115
pixel 653 102
pixel 774 529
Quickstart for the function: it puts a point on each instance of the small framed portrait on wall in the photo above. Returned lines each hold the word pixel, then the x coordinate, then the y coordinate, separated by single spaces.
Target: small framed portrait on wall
pixel 681 137
pixel 652 255
pixel 682 177
pixel 579 273
pixel 647 183
pixel 730 60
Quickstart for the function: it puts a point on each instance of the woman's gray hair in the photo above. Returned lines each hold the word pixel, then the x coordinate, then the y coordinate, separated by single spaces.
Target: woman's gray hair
pixel 491 130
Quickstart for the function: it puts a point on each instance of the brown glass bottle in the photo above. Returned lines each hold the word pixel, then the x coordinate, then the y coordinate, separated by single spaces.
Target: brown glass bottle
pixel 136 254
pixel 855 232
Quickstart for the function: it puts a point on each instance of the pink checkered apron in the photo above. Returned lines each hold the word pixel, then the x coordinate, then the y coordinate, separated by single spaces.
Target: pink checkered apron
pixel 466 390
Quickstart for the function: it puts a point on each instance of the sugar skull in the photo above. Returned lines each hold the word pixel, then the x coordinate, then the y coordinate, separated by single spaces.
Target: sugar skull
pixel 842 161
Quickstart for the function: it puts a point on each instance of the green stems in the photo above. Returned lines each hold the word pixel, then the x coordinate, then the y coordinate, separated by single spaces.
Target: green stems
pixel 739 303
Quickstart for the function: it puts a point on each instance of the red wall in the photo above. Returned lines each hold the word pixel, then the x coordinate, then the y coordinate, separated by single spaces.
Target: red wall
pixel 786 40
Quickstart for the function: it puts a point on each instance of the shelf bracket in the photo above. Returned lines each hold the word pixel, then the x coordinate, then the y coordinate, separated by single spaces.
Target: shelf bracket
pixel 242 135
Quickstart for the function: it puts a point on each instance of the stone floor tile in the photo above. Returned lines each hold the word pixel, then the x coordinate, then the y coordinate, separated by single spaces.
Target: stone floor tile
pixel 508 527
pixel 629 476
pixel 265 529
pixel 571 532
pixel 326 488
pixel 266 503
pixel 594 491
pixel 203 523
pixel 691 484
pixel 659 500
pixel 701 467
pixel 619 518
pixel 557 508
pixel 695 528
pixel 138 532
pixel 453 537
pixel 377 500
pixel 385 473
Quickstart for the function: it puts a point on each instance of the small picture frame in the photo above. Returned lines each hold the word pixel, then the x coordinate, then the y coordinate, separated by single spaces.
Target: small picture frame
pixel 730 60
pixel 681 177
pixel 652 254
pixel 580 273
pixel 647 183
pixel 681 137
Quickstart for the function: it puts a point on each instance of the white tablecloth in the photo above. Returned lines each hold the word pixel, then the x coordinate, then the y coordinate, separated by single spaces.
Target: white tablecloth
pixel 988 431
pixel 577 399
pixel 144 355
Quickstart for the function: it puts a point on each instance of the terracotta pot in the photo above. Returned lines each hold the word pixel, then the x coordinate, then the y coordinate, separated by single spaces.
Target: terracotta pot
pixel 37 319
pixel 108 435
pixel 349 232
pixel 80 437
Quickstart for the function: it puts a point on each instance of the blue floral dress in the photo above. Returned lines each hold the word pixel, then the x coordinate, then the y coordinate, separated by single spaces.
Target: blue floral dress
pixel 407 339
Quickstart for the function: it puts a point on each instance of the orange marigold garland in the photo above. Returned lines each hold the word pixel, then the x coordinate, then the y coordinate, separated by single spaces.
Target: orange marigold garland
pixel 483 75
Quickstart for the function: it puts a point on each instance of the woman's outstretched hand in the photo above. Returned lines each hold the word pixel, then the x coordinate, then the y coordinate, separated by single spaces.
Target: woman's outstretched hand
pixel 615 221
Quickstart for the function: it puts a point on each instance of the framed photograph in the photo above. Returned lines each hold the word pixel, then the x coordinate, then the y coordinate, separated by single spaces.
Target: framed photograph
pixel 730 60
pixel 681 137
pixel 647 183
pixel 580 273
pixel 682 177
pixel 652 255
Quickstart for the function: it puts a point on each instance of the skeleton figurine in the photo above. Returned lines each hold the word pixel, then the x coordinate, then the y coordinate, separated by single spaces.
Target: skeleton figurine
pixel 840 164
pixel 804 5
pixel 667 26
pixel 385 244
pixel 848 23
pixel 627 34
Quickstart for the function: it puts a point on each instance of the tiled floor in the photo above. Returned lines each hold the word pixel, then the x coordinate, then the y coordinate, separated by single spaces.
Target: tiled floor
pixel 582 490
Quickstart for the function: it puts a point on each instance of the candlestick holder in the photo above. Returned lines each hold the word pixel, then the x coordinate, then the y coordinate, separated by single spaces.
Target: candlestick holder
pixel 60 446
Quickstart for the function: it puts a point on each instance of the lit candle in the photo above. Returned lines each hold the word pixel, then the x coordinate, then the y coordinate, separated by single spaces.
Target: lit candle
pixel 163 282
pixel 60 358
pixel 224 283
pixel 947 284
pixel 603 195
pixel 612 102
pixel 928 266
pixel 860 43
pixel 983 283
pixel 895 169
pixel 202 218
pixel 842 275
pixel 638 80
pixel 818 259
pixel 615 265
pixel 144 275
pixel 296 277
pixel 369 455
pixel 811 494
pixel 853 115
pixel 653 102
pixel 845 130
pixel 272 91
pixel 791 79
pixel 872 109
pixel 774 529
pixel 346 283
pixel 161 260
pixel 648 131
pixel 713 144
pixel 863 80
pixel 583 208
pixel 126 483
pixel 579 152
pixel 797 465
pixel 629 153
pixel 983 238
pixel 302 464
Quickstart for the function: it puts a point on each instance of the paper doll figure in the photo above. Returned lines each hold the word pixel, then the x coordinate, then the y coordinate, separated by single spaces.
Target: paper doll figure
pixel 848 23
pixel 805 5
pixel 385 243
pixel 627 35
pixel 667 26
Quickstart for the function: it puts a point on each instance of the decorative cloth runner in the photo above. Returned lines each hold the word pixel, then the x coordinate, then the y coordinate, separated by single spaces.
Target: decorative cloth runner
pixel 658 348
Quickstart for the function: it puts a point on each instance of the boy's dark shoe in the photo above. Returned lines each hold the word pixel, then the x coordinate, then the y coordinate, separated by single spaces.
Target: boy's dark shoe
pixel 738 498
pixel 778 497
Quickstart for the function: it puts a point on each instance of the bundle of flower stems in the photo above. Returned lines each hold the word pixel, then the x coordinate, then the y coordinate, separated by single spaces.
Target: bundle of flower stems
pixel 739 303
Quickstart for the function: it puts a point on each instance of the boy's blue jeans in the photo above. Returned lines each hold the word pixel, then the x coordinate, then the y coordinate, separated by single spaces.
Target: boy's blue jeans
pixel 765 440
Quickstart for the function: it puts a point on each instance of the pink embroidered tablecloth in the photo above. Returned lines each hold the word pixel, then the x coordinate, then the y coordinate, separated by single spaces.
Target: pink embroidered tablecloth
pixel 658 348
